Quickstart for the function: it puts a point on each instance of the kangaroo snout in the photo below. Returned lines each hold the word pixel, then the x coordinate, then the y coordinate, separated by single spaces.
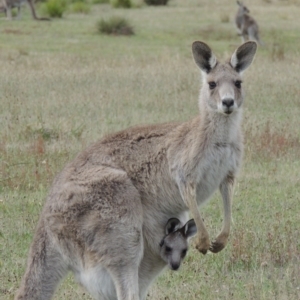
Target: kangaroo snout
pixel 227 102
pixel 175 266
pixel 228 105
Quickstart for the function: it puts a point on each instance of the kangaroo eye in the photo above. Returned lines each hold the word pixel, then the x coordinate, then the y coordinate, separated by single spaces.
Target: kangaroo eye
pixel 168 249
pixel 183 254
pixel 238 84
pixel 212 85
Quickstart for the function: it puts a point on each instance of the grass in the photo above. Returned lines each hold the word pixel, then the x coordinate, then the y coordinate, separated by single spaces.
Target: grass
pixel 63 86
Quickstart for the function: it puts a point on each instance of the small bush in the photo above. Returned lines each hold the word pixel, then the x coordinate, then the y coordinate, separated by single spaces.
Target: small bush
pixel 55 8
pixel 100 1
pixel 80 7
pixel 277 51
pixel 115 26
pixel 224 18
pixel 156 2
pixel 121 3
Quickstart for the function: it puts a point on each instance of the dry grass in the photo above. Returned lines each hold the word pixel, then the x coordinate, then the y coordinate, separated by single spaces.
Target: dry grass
pixel 63 86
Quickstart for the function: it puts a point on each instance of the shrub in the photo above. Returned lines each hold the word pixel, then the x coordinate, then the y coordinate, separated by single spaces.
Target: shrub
pixel 121 3
pixel 55 8
pixel 156 2
pixel 115 26
pixel 80 7
pixel 224 18
pixel 100 1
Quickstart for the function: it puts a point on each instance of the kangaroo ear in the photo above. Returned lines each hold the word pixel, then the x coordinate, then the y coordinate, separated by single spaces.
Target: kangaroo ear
pixel 243 56
pixel 172 225
pixel 203 56
pixel 190 228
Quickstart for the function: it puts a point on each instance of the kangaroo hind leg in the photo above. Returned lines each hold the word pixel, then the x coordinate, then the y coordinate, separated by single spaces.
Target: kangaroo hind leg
pixel 126 280
pixel 112 230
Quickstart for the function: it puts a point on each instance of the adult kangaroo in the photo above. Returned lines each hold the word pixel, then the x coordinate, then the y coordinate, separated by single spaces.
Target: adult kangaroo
pixel 8 5
pixel 247 26
pixel 106 211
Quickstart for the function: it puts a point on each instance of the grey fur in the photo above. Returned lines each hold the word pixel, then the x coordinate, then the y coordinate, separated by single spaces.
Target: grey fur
pixel 174 245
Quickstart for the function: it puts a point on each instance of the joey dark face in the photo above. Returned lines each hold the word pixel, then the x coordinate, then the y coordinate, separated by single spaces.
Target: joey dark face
pixel 174 246
pixel 174 249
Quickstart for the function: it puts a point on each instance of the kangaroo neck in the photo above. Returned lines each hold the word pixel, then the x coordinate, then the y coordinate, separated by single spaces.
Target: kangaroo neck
pixel 212 127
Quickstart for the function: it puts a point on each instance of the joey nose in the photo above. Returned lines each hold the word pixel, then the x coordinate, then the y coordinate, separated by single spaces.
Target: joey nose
pixel 228 102
pixel 175 266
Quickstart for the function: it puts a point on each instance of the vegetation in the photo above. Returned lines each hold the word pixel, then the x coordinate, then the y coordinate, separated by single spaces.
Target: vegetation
pixel 100 1
pixel 115 26
pixel 156 2
pixel 80 7
pixel 121 3
pixel 55 8
pixel 63 87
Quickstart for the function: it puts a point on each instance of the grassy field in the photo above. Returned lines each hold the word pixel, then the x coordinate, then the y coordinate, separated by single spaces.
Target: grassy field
pixel 63 86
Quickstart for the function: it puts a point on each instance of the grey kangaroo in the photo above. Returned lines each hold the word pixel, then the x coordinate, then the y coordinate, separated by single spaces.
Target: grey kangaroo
pixel 105 214
pixel 246 24
pixel 8 5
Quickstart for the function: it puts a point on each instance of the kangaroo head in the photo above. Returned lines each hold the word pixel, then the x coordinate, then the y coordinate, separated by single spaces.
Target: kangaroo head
pixel 242 8
pixel 222 90
pixel 174 245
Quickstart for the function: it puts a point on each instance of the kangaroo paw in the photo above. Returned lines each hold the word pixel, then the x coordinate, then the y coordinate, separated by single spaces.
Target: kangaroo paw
pixel 203 245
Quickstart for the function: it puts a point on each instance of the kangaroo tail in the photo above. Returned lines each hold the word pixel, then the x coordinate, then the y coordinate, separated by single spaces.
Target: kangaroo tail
pixel 45 268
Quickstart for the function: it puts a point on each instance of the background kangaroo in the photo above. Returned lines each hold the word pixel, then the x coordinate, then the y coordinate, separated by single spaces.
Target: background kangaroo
pixel 105 213
pixel 246 25
pixel 8 5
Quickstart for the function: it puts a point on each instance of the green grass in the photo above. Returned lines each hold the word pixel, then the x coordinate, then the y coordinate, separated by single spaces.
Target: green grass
pixel 63 86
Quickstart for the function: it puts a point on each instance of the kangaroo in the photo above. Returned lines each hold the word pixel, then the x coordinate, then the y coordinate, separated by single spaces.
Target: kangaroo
pixel 8 5
pixel 105 213
pixel 174 245
pixel 246 25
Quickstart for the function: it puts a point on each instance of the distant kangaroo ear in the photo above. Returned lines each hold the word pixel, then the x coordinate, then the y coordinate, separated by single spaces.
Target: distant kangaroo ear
pixel 203 56
pixel 172 225
pixel 243 56
pixel 190 228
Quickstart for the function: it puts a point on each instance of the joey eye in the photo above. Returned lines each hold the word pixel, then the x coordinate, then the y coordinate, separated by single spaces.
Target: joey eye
pixel 168 249
pixel 238 84
pixel 183 253
pixel 212 85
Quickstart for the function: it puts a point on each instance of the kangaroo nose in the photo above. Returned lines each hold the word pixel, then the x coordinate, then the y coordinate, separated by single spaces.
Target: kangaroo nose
pixel 228 102
pixel 175 266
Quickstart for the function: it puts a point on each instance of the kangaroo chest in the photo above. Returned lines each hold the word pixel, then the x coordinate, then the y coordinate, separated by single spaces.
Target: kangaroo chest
pixel 214 166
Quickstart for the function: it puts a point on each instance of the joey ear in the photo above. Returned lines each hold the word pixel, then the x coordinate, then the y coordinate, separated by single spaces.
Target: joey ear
pixel 172 225
pixel 203 56
pixel 243 56
pixel 190 228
